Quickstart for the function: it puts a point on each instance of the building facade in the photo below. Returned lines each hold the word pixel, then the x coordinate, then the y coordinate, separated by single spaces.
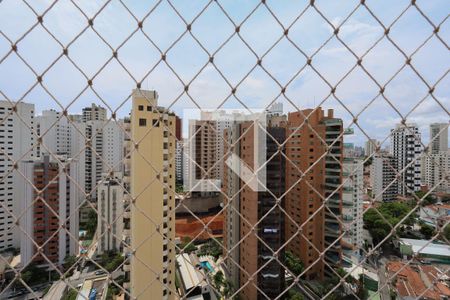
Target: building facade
pixel 312 175
pixel 370 147
pixel 260 224
pixel 333 190
pixel 153 262
pixel 352 207
pixel 94 113
pixel 407 149
pixel 16 142
pixel 438 138
pixel 110 206
pixel 54 129
pixel 436 162
pixel 383 178
pixel 49 217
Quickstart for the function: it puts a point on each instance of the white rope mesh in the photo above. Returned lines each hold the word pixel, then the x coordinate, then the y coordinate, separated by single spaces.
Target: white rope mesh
pixel 376 65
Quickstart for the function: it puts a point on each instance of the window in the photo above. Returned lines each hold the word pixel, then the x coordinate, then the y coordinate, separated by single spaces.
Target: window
pixel 141 107
pixel 142 122
pixel 149 108
pixel 155 123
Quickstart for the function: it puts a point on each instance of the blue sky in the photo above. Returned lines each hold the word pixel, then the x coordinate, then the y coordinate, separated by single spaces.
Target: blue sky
pixel 234 60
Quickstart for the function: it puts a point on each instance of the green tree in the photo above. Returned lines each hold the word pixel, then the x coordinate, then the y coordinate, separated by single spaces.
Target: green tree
pixel 218 279
pixel 294 295
pixel 188 245
pixel 393 213
pixel 111 260
pixel 293 263
pixel 91 224
pixel 428 199
pixel 212 247
pixel 69 262
pixel 427 231
pixel 447 232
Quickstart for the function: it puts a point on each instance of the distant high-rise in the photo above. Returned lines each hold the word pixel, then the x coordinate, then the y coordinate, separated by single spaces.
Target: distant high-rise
pixel 434 169
pixel 110 206
pixel 436 163
pixel 54 129
pixel 16 143
pixel 152 185
pixel 94 113
pixel 407 149
pixel 50 218
pixel 438 138
pixel 104 152
pixel 370 147
pixel 253 254
pixel 383 172
pixel 352 206
pixel 203 163
pixel 113 140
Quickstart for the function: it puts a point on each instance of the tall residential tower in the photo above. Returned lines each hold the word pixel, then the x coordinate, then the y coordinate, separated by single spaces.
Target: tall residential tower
pixel 152 186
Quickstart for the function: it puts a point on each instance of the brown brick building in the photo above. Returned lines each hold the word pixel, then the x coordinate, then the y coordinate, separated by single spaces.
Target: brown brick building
pixel 248 209
pixel 313 172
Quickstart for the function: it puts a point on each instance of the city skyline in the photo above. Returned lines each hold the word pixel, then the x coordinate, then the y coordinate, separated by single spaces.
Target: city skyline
pixel 224 150
pixel 113 85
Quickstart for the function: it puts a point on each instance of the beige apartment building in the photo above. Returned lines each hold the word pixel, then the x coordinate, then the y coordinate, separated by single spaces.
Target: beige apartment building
pixel 152 182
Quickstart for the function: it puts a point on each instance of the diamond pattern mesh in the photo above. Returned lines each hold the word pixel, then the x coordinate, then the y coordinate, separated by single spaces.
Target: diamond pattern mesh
pixel 375 64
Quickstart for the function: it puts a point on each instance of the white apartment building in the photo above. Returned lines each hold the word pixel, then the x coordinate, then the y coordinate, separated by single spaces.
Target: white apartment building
pixel 113 151
pixel 382 176
pixel 110 205
pixel 103 153
pixel 435 167
pixel 16 142
pixel 38 223
pixel 352 205
pixel 370 147
pixel 407 150
pixel 54 129
pixel 438 138
pixel 436 164
pixel 179 158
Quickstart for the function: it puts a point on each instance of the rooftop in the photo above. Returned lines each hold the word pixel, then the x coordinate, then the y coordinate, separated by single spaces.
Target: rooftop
pixel 409 282
pixel 425 247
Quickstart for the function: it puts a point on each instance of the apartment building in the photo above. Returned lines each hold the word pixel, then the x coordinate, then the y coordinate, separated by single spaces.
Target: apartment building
pixel 113 153
pixel 370 147
pixel 203 163
pixel 436 162
pixel 49 218
pixel 352 207
pixel 333 190
pixel 314 173
pixel 94 113
pixel 110 206
pixel 407 149
pixel 438 138
pixel 16 142
pixel 383 172
pixel 153 262
pixel 258 221
pixel 54 129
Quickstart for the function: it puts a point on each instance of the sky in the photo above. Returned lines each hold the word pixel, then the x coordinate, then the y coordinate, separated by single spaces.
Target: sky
pixel 234 57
